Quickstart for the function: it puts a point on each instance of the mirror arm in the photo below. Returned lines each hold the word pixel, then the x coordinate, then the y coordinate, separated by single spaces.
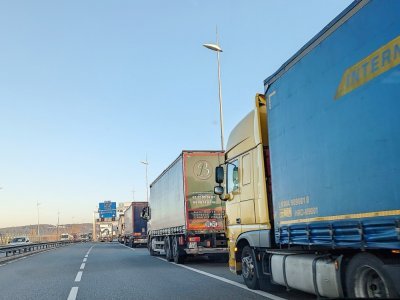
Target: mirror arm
pixel 224 197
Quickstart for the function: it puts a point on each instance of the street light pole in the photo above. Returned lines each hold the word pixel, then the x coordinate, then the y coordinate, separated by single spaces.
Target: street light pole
pixel 146 163
pixel 217 48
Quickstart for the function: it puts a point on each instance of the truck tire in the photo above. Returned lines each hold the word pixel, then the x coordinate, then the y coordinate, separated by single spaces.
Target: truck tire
pixel 249 272
pixel 133 245
pixel 176 252
pixel 167 248
pixel 150 247
pixel 366 277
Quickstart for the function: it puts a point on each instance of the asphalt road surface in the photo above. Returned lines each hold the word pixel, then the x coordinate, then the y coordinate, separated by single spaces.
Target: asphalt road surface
pixel 113 271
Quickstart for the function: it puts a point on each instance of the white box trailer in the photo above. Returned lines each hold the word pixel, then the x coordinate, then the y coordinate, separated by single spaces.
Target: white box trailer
pixel 185 216
pixel 106 232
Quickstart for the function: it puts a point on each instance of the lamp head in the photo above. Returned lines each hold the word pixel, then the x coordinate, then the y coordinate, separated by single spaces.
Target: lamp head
pixel 213 47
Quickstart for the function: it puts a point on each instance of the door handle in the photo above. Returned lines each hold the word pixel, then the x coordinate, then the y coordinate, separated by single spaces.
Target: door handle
pixel 238 220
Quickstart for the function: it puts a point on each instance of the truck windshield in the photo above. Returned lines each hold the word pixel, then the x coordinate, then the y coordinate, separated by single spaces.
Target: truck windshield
pixel 232 177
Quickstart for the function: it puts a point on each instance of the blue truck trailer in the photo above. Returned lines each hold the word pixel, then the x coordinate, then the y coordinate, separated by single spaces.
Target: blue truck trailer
pixel 334 134
pixel 312 175
pixel 135 228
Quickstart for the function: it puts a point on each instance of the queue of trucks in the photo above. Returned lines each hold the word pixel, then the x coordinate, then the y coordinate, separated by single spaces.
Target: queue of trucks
pixel 308 187
pixel 309 190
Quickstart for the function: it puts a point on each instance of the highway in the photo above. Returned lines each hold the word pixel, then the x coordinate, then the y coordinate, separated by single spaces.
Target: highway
pixel 114 271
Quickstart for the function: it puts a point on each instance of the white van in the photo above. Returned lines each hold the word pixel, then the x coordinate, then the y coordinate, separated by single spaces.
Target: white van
pixel 19 240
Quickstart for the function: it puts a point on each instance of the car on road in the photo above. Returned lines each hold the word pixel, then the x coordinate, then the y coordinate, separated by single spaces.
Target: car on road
pixel 66 237
pixel 19 240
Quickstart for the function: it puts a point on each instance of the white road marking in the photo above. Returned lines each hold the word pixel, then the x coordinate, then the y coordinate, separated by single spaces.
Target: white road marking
pixel 85 259
pixel 128 247
pixel 86 256
pixel 90 249
pixel 242 286
pixel 73 293
pixel 82 266
pixel 78 276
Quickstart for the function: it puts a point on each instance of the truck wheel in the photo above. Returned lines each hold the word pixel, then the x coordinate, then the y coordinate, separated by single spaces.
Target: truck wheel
pixel 176 253
pixel 367 278
pixel 167 248
pixel 150 247
pixel 249 268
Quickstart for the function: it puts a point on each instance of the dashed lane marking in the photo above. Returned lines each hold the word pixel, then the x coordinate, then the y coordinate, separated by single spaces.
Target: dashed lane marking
pixel 74 290
pixel 78 276
pixel 90 249
pixel 128 247
pixel 242 286
pixel 73 293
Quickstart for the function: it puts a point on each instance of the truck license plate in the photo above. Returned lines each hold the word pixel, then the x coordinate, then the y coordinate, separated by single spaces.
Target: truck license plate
pixel 192 245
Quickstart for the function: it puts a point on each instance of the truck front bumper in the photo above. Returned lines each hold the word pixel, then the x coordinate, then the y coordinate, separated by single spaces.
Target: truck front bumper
pixel 203 250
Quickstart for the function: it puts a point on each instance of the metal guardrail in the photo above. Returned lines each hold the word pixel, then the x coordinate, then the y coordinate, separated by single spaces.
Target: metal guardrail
pixel 32 247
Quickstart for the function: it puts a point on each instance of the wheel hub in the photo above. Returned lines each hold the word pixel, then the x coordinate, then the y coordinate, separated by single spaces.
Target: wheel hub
pixel 370 284
pixel 247 267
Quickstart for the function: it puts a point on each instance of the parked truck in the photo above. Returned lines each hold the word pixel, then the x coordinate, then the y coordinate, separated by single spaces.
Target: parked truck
pixel 185 217
pixel 135 228
pixel 312 176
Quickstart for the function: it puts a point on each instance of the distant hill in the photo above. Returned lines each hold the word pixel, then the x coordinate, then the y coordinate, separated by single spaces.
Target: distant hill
pixel 48 232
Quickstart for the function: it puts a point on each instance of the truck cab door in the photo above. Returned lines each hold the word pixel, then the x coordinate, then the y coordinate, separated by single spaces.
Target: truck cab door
pixel 232 188
pixel 247 211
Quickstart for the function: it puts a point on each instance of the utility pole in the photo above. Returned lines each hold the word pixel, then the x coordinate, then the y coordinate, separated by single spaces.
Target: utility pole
pixel 146 163
pixel 58 224
pixel 133 195
pixel 38 222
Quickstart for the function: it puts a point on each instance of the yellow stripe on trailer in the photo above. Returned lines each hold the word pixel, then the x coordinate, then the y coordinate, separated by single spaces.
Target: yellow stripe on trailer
pixel 384 213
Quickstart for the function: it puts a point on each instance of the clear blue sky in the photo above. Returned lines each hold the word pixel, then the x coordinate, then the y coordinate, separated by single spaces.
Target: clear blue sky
pixel 87 88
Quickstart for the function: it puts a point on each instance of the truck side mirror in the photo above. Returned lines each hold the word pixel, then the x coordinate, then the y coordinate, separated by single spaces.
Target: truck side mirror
pixel 219 175
pixel 145 214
